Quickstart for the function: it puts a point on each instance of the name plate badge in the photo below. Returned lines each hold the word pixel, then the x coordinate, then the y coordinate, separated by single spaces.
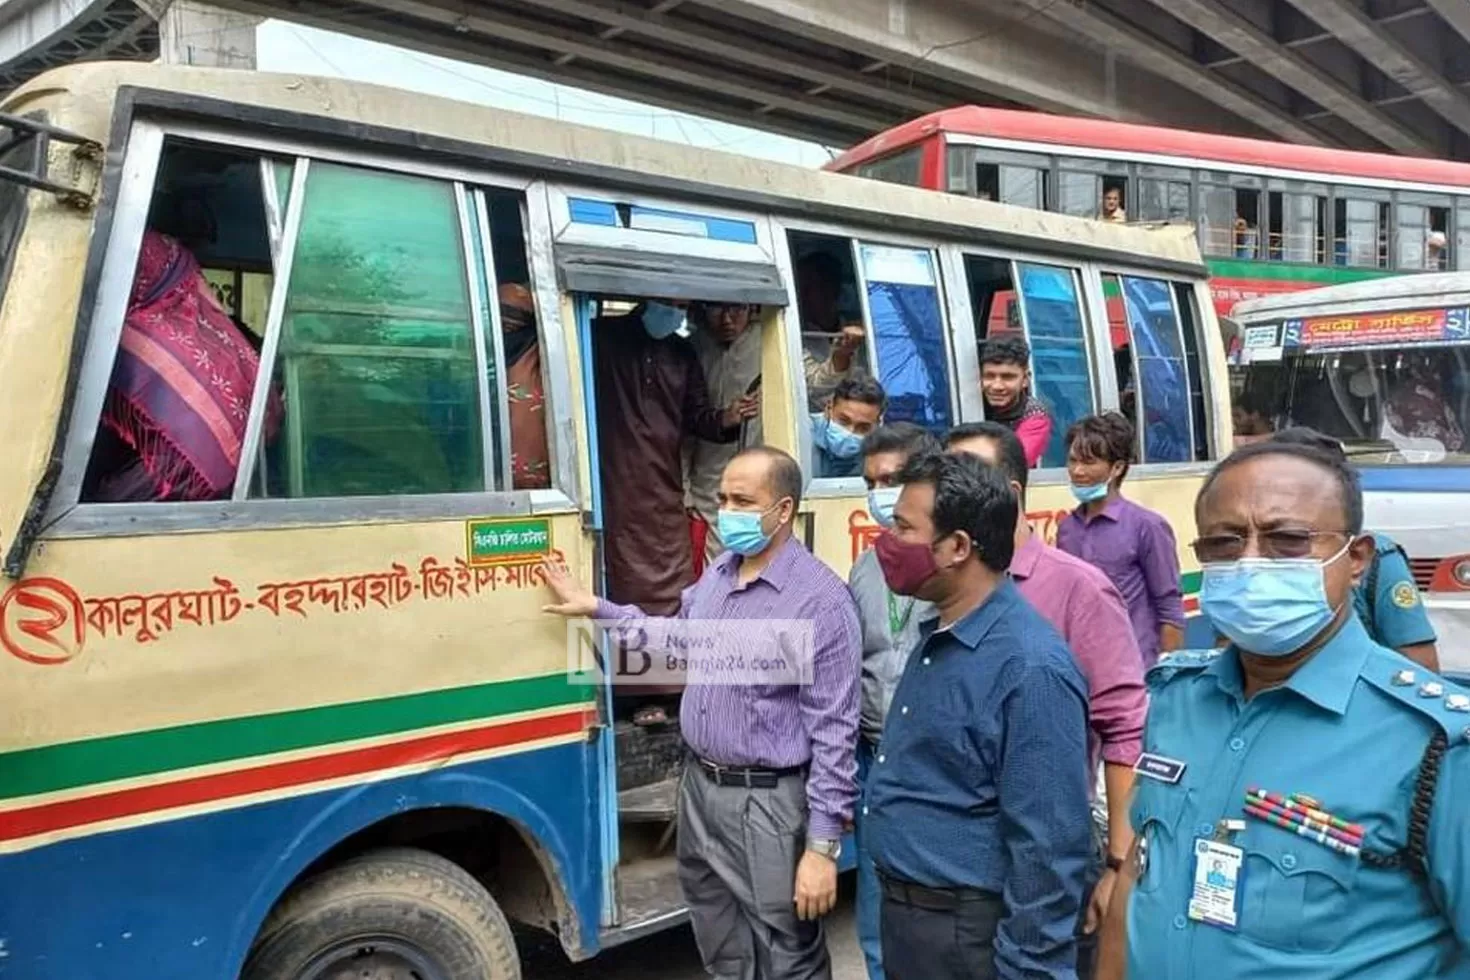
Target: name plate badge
pixel 1158 767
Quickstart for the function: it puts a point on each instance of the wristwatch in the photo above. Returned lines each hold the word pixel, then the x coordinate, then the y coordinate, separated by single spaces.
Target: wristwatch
pixel 827 848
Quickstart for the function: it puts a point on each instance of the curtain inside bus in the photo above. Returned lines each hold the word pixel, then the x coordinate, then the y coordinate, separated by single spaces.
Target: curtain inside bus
pixel 908 335
pixel 1059 364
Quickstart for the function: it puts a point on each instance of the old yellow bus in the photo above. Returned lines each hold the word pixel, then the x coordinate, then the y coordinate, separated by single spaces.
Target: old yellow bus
pixel 282 702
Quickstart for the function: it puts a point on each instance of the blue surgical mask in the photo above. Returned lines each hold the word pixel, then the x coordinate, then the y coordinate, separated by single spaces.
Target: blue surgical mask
pixel 880 504
pixel 743 531
pixel 1088 493
pixel 1271 607
pixel 662 319
pixel 839 442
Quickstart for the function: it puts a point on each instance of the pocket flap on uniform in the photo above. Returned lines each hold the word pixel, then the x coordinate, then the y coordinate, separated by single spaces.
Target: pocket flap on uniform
pixel 1291 854
pixel 1157 803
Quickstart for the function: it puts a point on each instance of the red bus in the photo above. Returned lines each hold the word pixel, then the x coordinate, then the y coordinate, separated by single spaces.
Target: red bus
pixel 1272 217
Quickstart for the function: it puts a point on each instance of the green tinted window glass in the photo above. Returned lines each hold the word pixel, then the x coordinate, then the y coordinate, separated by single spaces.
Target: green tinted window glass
pixel 377 360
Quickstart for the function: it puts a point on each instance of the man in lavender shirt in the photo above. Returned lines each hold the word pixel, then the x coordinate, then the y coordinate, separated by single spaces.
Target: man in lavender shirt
pixel 1087 610
pixel 771 781
pixel 1134 546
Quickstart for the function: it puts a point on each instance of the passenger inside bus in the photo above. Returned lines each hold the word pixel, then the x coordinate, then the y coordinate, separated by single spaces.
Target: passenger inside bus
pixel 831 330
pixel 525 397
pixel 1005 383
pixel 855 409
pixel 173 423
pixel 1112 205
pixel 727 344
pixel 651 395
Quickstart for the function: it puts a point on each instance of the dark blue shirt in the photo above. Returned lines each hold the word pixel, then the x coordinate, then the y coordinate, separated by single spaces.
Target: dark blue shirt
pixel 981 778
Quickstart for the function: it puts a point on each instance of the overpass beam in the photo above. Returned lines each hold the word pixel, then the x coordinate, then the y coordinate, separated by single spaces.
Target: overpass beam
pixel 990 49
pixel 1352 27
pixel 1229 29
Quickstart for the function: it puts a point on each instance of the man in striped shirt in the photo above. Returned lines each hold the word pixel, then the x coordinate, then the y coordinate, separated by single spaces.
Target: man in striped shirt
pixel 770 784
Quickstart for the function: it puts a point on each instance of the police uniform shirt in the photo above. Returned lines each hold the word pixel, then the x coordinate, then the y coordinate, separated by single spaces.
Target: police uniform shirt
pixel 1349 729
pixel 1394 612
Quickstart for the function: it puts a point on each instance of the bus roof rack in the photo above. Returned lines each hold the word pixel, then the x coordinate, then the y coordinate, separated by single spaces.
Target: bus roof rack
pixel 22 130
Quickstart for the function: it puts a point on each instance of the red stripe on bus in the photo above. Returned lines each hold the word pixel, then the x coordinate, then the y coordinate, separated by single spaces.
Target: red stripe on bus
pixel 64 814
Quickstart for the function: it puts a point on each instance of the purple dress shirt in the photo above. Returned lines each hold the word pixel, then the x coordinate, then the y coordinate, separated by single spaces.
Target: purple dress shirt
pixel 777 727
pixel 1087 610
pixel 1135 548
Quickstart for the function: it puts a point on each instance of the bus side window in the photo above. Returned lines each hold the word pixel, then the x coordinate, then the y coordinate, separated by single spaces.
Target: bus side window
pixel 1154 374
pixel 377 363
pixel 1047 312
pixel 1187 303
pixel 826 301
pixel 908 334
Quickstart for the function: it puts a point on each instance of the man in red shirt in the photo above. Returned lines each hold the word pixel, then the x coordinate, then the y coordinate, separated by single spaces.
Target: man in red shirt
pixel 1005 381
pixel 1088 611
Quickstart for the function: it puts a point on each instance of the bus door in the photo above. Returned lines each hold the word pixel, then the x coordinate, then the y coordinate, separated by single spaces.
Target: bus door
pixel 624 263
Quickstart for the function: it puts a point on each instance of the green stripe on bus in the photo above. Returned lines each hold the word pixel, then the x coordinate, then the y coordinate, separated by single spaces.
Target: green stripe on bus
pixel 57 767
pixel 1323 275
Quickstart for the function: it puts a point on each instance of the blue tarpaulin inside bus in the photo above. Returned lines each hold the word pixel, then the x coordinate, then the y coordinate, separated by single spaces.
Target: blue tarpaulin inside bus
pixel 1158 348
pixel 1058 351
pixel 908 337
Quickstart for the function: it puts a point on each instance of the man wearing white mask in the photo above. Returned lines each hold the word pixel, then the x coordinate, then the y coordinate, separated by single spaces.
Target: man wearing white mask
pixel 651 394
pixel 890 632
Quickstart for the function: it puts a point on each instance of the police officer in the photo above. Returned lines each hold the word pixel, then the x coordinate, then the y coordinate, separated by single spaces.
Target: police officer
pixel 1387 598
pixel 1299 807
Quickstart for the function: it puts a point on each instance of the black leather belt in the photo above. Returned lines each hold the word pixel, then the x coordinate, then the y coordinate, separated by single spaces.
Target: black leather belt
pixel 924 897
pixel 747 776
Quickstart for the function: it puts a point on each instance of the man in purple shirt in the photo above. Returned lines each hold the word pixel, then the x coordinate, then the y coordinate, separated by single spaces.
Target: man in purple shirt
pixel 1134 546
pixel 1087 610
pixel 771 780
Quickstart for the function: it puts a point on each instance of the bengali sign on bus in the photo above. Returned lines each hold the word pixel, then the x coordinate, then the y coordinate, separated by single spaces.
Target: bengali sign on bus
pixel 1379 329
pixel 505 542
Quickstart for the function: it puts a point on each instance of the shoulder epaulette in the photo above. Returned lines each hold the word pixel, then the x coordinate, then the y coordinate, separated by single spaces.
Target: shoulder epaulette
pixel 1173 664
pixel 1443 702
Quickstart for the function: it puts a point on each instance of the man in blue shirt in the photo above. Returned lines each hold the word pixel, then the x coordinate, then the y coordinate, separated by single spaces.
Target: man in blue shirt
pixel 855 410
pixel 976 809
pixel 1325 772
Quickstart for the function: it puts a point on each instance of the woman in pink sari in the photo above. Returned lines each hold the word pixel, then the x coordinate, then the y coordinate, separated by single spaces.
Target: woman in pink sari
pixel 173 424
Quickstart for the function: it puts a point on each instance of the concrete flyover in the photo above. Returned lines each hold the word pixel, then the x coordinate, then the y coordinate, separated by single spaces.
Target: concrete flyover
pixel 1371 74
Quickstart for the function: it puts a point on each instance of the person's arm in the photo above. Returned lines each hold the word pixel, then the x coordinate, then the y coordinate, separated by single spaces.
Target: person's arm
pixel 1399 618
pixel 1045 825
pixel 829 714
pixel 1160 559
pixel 701 419
pixel 1034 433
pixel 1112 949
pixel 1102 640
pixel 1449 843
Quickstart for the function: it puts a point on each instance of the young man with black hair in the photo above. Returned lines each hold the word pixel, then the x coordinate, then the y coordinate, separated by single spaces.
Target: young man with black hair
pixel 855 410
pixel 977 803
pixel 1133 545
pixel 890 626
pixel 1005 382
pixel 1087 610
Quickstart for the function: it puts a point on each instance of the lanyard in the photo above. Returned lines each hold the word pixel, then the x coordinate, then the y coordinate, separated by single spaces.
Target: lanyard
pixel 897 622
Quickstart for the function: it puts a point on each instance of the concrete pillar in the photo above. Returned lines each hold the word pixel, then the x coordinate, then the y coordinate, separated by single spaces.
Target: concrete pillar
pixel 191 33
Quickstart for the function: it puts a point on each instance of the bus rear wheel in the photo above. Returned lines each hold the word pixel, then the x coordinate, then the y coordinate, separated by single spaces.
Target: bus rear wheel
pixel 391 914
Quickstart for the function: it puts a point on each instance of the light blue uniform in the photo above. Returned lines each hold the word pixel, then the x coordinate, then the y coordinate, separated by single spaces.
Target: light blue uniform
pixel 1349 730
pixel 1394 612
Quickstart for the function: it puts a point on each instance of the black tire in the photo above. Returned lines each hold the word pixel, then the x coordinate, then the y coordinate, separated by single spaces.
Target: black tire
pixel 395 914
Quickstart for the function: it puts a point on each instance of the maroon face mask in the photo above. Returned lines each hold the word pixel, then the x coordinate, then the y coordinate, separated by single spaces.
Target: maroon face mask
pixel 906 565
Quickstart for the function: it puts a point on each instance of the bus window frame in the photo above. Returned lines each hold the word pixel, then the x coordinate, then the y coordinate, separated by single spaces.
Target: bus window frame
pixel 1215 419
pixel 829 487
pixel 130 192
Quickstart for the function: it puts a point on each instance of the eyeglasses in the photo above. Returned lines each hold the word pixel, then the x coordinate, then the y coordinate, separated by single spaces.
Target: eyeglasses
pixel 1281 542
